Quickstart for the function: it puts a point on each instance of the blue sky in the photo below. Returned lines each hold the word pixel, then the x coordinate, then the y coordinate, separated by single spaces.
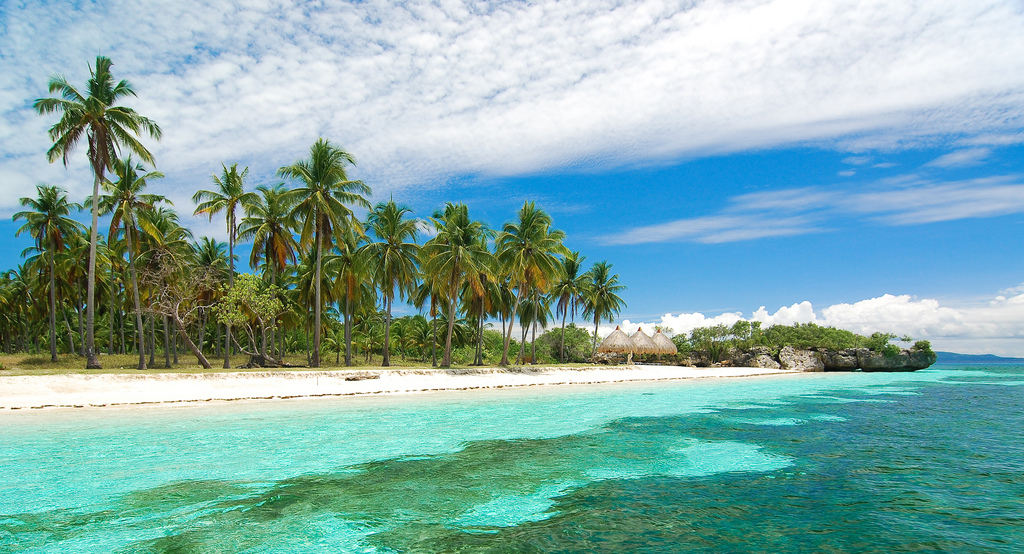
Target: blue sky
pixel 852 163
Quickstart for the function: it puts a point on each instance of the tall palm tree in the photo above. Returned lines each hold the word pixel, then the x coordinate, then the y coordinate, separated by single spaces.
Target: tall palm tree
pixel 393 259
pixel 601 299
pixel 322 203
pixel 351 270
pixel 528 250
pixel 228 196
pixel 108 129
pixel 211 258
pixel 456 255
pixel 569 291
pixel 48 223
pixel 268 224
pixel 125 201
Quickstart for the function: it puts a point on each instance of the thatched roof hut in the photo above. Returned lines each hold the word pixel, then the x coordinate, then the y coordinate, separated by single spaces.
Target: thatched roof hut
pixel 664 344
pixel 642 343
pixel 617 342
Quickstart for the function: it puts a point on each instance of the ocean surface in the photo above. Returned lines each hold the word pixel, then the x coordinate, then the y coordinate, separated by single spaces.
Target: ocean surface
pixel 931 461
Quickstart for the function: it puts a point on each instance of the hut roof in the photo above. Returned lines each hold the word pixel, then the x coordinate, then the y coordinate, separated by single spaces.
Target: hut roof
pixel 643 343
pixel 664 344
pixel 617 342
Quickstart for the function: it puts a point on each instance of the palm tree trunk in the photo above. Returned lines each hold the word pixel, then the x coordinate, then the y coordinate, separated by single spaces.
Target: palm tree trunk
pixel 561 355
pixel 533 343
pixel 180 326
pixel 216 342
pixel 71 334
pixel 120 324
pixel 387 334
pixel 135 297
pixel 53 311
pixel 348 330
pixel 508 336
pixel 78 311
pixel 231 285
pixel 152 340
pixel 113 298
pixel 315 361
pixel 447 361
pixel 521 356
pixel 174 344
pixel 167 344
pixel 202 330
pixel 479 361
pixel 91 360
pixel 593 349
pixel 433 345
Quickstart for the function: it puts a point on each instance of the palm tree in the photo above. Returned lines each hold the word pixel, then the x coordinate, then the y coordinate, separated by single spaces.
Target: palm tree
pixel 321 204
pixel 456 255
pixel 211 258
pixel 108 129
pixel 528 251
pixel 601 299
pixel 393 259
pixel 569 291
pixel 230 194
pixel 351 270
pixel 47 222
pixel 125 201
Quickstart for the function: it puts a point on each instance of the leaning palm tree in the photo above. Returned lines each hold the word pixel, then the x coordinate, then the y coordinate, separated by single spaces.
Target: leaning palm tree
pixel 108 129
pixel 601 299
pixel 321 202
pixel 569 291
pixel 228 196
pixel 393 260
pixel 48 223
pixel 456 255
pixel 125 202
pixel 528 251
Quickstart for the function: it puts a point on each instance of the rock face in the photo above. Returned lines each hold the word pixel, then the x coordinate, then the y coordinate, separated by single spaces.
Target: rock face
pixel 800 360
pixel 765 361
pixel 841 360
pixel 905 360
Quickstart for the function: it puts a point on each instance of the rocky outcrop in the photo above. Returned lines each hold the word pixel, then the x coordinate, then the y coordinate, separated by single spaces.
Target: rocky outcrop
pixel 841 360
pixel 765 361
pixel 905 360
pixel 800 360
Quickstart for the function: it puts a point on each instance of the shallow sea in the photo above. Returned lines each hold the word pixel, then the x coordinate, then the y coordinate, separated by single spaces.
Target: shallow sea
pixel 931 461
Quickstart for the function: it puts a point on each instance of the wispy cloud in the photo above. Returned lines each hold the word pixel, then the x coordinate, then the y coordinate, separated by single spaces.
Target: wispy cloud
pixel 962 158
pixel 422 90
pixel 904 201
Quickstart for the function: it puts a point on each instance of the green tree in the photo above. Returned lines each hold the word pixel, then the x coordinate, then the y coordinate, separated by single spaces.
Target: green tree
pixel 528 251
pixel 456 255
pixel 321 202
pixel 601 300
pixel 253 306
pixel 393 260
pixel 48 223
pixel 125 201
pixel 108 129
pixel 228 197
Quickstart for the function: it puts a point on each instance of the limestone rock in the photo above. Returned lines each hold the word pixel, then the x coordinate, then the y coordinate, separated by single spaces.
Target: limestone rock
pixel 905 360
pixel 765 361
pixel 840 360
pixel 800 360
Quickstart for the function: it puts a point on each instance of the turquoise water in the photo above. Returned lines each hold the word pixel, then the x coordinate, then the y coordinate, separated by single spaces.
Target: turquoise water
pixel 931 461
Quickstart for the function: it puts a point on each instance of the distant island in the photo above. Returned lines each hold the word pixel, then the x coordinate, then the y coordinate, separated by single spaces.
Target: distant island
pixel 954 358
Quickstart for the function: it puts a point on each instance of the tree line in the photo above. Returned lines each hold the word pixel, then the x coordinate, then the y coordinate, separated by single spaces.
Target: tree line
pixel 323 281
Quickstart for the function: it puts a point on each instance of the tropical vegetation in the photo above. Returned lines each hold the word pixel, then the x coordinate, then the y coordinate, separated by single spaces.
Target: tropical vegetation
pixel 330 276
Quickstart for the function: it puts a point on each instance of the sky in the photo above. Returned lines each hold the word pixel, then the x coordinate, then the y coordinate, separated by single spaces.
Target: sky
pixel 852 163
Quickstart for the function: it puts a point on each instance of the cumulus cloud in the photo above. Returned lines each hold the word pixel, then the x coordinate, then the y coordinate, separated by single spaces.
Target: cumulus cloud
pixel 908 200
pixel 421 90
pixel 995 327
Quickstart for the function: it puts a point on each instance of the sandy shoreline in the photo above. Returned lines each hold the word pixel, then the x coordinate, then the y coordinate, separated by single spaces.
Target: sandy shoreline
pixel 101 390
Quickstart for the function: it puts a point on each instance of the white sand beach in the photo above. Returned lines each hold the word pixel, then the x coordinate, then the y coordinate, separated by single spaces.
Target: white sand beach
pixel 101 390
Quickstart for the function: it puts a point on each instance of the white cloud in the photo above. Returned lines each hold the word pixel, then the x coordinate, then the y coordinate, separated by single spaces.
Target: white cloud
pixel 962 158
pixel 995 327
pixel 422 90
pixel 908 200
